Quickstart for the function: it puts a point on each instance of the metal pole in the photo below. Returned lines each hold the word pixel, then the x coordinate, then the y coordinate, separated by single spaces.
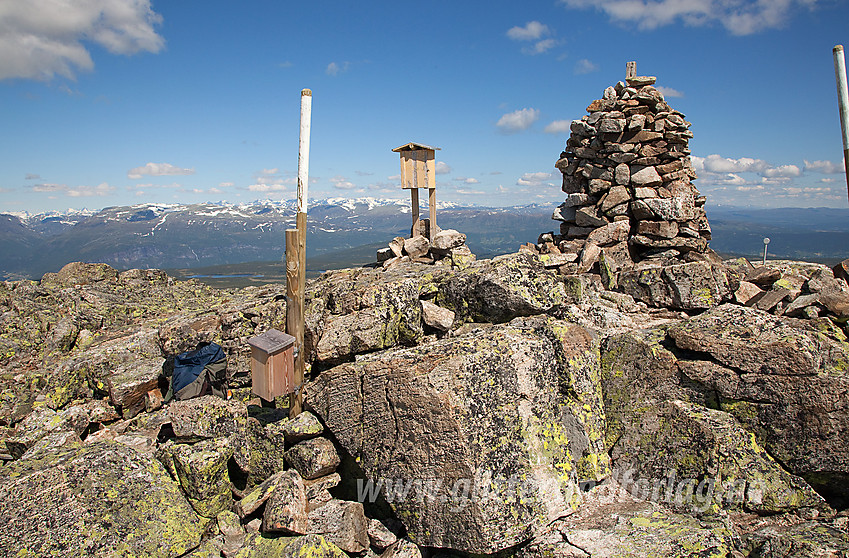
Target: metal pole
pixel 297 399
pixel 843 103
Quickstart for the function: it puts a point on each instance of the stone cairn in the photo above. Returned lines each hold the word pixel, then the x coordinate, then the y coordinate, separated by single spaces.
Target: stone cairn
pixel 446 247
pixel 627 172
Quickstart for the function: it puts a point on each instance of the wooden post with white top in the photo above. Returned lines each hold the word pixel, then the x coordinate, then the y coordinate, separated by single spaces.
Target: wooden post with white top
pixel 296 258
pixel 843 105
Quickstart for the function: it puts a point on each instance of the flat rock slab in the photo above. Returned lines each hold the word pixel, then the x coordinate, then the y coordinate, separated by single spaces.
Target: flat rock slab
pixel 207 417
pixel 129 384
pixel 101 499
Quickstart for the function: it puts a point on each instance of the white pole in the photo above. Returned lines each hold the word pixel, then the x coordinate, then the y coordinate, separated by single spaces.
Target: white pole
pixel 843 103
pixel 304 150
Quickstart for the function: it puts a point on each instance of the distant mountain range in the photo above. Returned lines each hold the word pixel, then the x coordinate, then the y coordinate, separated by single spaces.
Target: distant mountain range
pixel 346 231
pixel 170 236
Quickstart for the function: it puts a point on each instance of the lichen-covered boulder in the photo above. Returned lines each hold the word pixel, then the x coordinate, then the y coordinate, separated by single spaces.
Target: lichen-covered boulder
pixel 130 382
pixel 42 422
pixel 786 380
pixel 312 546
pixel 303 427
pixel 286 509
pixel 313 458
pixel 342 523
pixel 683 286
pixel 202 471
pixel 207 417
pixel 265 447
pixel 501 289
pixel 610 524
pixel 101 499
pixel 475 441
pixel 792 537
pixel 361 310
pixel 81 375
pixel 702 460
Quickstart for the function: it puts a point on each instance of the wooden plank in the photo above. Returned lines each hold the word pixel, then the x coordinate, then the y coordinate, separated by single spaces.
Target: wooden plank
pixel 259 379
pixel 631 69
pixel 431 169
pixel 432 206
pixel 414 194
pixel 409 170
pixel 294 322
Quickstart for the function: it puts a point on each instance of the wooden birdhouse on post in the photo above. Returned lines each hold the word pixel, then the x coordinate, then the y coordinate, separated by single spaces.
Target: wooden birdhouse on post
pixel 272 364
pixel 418 170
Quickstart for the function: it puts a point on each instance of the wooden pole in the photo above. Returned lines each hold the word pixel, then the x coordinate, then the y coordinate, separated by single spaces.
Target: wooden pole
pixel 431 201
pixel 414 197
pixel 843 105
pixel 296 400
pixel 631 69
pixel 294 321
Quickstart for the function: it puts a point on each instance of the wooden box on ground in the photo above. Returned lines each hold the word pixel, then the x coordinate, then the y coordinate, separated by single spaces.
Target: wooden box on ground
pixel 272 364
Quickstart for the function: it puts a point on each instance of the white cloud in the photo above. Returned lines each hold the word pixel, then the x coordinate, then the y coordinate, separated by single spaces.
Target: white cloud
pixel 441 168
pixel 783 171
pixel 584 66
pixel 158 169
pixel 396 177
pixel 102 189
pixel 558 127
pixel 269 180
pixel 30 176
pixel 536 179
pixel 540 47
pixel 42 38
pixel 669 92
pixel 268 187
pixel 334 69
pixel 465 180
pixel 519 120
pixel 226 184
pixel 532 31
pixel 825 167
pixel 739 17
pixel 717 163
pixel 342 183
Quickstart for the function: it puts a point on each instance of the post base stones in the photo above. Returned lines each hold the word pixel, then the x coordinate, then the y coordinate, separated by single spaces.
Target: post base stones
pixel 448 247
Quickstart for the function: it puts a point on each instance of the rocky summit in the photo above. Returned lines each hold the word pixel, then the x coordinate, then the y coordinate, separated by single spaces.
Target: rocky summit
pixel 616 389
pixel 498 408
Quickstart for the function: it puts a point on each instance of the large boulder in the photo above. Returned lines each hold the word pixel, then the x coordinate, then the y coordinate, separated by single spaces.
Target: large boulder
pixel 783 380
pixel 503 288
pixel 360 310
pixel 786 380
pixel 683 286
pixel 701 460
pixel 476 441
pixel 101 499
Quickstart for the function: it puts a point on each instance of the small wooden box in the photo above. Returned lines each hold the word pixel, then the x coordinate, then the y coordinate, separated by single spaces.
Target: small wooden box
pixel 272 364
pixel 418 166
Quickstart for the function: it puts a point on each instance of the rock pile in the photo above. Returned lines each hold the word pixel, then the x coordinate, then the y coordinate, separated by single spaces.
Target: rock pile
pixel 627 172
pixel 448 247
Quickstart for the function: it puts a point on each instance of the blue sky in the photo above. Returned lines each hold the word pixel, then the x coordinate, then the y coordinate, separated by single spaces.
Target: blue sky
pixel 114 102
